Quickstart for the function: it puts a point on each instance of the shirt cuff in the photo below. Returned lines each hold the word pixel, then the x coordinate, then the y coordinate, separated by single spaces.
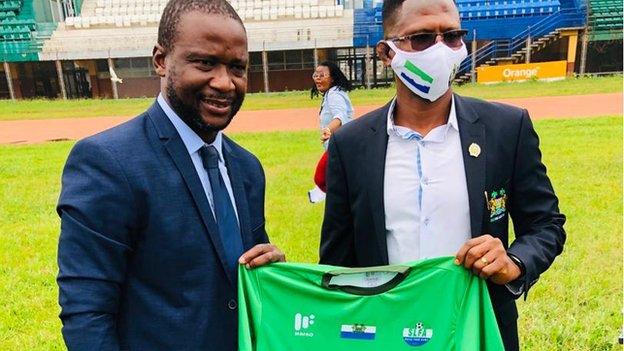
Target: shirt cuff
pixel 516 287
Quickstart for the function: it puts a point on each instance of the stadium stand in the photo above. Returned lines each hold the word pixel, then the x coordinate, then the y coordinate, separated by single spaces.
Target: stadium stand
pixel 492 19
pixel 605 20
pixel 560 27
pixel 128 28
pixel 79 43
pixel 21 35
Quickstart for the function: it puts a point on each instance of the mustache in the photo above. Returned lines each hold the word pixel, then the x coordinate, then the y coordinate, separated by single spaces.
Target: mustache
pixel 218 96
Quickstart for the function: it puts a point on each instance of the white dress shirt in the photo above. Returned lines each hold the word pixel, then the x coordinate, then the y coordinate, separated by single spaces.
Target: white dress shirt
pixel 193 143
pixel 425 192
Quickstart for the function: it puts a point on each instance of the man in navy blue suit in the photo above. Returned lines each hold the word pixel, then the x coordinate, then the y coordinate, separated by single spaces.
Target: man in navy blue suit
pixel 157 213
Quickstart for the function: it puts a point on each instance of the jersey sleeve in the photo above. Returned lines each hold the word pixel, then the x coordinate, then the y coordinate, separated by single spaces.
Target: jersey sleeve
pixel 249 308
pixel 477 329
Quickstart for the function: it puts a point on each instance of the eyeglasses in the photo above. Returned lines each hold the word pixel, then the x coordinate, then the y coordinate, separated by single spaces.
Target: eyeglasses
pixel 318 76
pixel 421 41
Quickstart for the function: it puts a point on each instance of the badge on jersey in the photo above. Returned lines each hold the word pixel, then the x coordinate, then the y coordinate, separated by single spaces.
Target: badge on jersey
pixel 496 204
pixel 417 336
pixel 357 331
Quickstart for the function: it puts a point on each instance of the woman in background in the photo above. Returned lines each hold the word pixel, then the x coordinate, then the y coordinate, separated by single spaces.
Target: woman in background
pixel 336 110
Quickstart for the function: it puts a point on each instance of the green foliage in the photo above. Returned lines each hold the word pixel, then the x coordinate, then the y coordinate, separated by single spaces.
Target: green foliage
pixel 576 305
pixel 47 109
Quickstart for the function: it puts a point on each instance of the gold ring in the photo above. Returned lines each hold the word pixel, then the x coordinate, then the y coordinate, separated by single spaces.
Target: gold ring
pixel 484 260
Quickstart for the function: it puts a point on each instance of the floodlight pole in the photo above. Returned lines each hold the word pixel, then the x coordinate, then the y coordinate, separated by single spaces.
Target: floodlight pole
pixel 9 79
pixel 265 68
pixel 584 41
pixel 369 65
pixel 52 11
pixel 60 10
pixel 473 54
pixel 113 82
pixel 61 78
pixel 316 58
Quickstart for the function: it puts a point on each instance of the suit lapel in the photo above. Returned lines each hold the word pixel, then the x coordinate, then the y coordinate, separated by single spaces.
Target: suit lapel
pixel 377 145
pixel 181 158
pixel 240 196
pixel 472 131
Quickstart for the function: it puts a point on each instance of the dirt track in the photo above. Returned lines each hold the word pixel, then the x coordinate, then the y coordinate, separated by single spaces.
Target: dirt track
pixel 36 131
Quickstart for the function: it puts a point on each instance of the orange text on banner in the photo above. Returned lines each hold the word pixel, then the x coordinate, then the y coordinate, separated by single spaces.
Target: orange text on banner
pixel 508 73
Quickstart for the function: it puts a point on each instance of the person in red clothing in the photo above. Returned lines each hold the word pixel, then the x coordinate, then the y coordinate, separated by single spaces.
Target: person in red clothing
pixel 319 174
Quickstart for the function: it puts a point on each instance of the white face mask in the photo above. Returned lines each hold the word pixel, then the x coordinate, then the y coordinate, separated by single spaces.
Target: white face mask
pixel 427 73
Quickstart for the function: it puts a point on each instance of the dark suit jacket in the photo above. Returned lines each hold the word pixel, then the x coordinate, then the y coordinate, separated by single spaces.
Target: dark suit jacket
pixel 141 263
pixel 354 232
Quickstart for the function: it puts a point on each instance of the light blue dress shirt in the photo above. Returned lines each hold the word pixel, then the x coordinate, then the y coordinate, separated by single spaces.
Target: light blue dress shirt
pixel 425 192
pixel 438 223
pixel 193 144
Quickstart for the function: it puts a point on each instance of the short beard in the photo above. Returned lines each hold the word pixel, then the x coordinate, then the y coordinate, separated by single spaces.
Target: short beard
pixel 190 113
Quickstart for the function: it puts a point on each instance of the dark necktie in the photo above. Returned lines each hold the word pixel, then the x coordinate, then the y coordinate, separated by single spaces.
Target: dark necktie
pixel 229 230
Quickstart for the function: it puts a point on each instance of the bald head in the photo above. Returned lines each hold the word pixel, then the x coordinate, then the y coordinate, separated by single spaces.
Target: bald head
pixel 398 15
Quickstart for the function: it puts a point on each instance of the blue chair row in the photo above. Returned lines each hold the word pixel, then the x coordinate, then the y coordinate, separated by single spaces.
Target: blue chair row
pixel 496 13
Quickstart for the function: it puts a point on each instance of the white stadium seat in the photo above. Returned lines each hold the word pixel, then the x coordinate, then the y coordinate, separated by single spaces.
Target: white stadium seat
pixel 314 11
pixel 339 10
pixel 69 21
pixel 322 11
pixel 331 11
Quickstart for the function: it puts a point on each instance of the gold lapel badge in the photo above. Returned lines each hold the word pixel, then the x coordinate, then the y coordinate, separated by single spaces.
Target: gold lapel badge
pixel 474 150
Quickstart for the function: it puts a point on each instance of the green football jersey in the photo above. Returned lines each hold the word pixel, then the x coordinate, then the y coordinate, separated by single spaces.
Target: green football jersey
pixel 425 305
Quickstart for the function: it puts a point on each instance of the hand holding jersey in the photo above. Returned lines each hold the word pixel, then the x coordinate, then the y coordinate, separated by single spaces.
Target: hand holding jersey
pixel 306 307
pixel 487 258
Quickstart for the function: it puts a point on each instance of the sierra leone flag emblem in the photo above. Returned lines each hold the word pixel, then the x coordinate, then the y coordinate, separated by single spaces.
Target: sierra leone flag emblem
pixel 357 331
pixel 426 79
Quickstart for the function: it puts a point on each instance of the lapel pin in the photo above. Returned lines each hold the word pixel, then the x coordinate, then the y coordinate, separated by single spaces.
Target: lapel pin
pixel 474 150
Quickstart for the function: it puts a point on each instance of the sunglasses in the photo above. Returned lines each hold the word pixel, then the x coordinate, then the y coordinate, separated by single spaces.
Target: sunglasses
pixel 421 41
pixel 318 76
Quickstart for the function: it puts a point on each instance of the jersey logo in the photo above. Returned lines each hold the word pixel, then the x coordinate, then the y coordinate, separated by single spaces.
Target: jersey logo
pixel 357 331
pixel 418 335
pixel 302 324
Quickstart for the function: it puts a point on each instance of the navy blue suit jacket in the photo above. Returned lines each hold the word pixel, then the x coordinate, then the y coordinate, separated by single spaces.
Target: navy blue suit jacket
pixel 354 232
pixel 141 265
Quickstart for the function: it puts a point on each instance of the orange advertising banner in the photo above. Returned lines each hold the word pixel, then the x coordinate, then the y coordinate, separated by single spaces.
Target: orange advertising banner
pixel 513 73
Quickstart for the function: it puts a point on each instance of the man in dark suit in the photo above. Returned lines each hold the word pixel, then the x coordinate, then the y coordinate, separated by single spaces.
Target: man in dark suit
pixel 435 174
pixel 156 213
